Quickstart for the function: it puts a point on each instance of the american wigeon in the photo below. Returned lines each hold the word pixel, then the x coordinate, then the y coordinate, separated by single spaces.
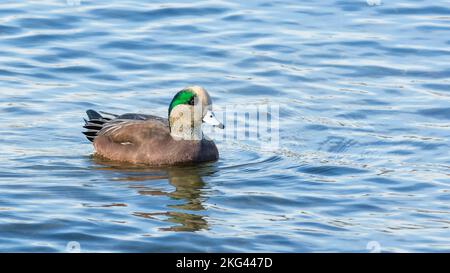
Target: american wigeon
pixel 152 140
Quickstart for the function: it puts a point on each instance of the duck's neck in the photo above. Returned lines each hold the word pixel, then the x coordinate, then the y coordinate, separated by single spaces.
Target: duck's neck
pixel 184 132
pixel 186 123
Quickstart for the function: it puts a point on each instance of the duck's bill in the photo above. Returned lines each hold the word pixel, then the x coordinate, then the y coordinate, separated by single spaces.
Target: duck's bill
pixel 211 119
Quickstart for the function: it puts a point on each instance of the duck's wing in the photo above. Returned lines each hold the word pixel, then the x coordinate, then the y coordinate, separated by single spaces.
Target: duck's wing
pixel 107 123
pixel 132 140
pixel 134 131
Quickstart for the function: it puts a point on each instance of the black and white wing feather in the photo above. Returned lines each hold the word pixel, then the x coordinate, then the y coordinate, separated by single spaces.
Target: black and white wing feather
pixel 109 123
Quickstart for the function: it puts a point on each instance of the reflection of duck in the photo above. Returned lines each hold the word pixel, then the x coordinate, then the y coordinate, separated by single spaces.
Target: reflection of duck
pixel 188 184
pixel 157 141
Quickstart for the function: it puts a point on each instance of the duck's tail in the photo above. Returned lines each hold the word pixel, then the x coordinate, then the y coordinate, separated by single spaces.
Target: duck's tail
pixel 95 123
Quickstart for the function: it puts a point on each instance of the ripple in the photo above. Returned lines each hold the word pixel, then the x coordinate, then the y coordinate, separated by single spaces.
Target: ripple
pixel 156 14
pixel 9 30
pixel 419 187
pixel 350 5
pixel 74 70
pixel 36 40
pixel 331 170
pixel 429 10
pixel 438 113
pixel 255 90
pixel 134 45
pixel 439 87
pixel 66 22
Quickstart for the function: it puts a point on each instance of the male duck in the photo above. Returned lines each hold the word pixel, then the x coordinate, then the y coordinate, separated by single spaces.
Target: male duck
pixel 153 140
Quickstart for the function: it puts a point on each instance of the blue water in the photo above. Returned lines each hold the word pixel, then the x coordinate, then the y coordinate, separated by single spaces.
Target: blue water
pixel 364 152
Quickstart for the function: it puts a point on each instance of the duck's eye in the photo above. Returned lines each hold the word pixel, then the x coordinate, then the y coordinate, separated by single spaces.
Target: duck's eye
pixel 210 116
pixel 192 100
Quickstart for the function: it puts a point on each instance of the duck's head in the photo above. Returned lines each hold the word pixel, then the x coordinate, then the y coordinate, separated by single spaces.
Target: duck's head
pixel 190 108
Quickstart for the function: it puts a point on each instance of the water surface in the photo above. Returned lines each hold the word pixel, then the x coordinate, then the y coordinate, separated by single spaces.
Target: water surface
pixel 364 125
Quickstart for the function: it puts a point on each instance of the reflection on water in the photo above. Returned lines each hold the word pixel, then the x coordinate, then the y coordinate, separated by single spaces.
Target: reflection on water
pixel 188 184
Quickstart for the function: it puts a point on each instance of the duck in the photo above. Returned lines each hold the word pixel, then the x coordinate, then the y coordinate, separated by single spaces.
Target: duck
pixel 153 140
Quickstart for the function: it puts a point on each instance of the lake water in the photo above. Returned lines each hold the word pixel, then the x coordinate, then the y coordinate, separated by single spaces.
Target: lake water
pixel 363 162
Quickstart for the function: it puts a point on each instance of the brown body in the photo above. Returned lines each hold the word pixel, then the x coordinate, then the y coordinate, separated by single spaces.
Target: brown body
pixel 149 142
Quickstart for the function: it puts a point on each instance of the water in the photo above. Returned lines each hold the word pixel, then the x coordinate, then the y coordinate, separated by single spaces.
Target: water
pixel 363 162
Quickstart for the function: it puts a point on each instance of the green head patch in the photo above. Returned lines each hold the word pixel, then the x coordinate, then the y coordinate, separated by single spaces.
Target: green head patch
pixel 182 97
